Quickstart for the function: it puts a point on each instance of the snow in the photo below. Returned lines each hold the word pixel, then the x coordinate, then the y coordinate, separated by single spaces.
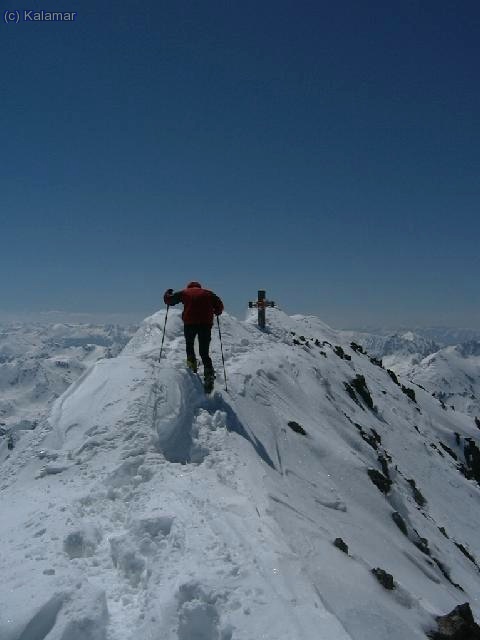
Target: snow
pixel 451 373
pixel 141 508
pixel 39 362
pixel 399 352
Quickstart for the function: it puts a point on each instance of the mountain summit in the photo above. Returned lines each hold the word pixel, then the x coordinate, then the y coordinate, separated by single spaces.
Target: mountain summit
pixel 321 497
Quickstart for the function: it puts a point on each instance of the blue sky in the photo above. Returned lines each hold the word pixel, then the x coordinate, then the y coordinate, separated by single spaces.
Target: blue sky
pixel 328 152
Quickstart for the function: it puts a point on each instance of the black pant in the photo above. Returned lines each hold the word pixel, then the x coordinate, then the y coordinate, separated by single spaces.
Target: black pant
pixel 204 333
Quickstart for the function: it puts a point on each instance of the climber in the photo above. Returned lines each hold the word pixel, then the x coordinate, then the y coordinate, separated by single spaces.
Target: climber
pixel 199 307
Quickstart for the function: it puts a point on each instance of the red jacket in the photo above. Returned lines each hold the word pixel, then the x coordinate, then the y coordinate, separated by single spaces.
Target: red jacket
pixel 199 305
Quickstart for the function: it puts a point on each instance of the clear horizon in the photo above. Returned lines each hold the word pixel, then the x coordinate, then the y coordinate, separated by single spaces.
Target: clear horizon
pixel 125 318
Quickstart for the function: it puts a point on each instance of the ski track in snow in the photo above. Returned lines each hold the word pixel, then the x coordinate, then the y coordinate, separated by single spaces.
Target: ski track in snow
pixel 144 509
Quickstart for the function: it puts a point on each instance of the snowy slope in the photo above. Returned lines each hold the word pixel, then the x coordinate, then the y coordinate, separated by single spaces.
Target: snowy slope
pixel 453 374
pixel 399 351
pixel 39 361
pixel 143 509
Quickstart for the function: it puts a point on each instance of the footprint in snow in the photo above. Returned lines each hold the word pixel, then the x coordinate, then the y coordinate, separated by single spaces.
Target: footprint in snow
pixel 198 615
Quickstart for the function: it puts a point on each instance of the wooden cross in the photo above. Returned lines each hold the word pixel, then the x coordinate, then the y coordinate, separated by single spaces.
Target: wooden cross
pixel 261 303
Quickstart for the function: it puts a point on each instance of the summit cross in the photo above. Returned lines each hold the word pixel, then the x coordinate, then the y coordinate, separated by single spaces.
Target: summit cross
pixel 261 303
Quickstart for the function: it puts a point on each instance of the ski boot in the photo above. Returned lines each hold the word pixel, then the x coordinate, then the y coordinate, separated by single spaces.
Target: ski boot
pixel 192 365
pixel 208 380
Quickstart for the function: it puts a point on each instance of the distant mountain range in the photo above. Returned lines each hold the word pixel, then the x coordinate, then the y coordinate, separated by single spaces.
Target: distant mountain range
pixel 450 372
pixel 39 361
pixel 443 336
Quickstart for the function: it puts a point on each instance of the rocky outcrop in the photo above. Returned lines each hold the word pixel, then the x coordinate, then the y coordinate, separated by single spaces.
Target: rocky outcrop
pixel 456 625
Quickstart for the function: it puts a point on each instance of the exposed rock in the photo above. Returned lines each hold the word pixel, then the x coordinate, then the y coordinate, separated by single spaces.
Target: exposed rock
pixel 340 544
pixel 384 464
pixel 351 393
pixel 466 553
pixel 448 450
pixel 417 495
pixel 382 483
pixel 297 427
pixel 341 353
pixel 372 438
pixel 384 578
pixel 393 376
pixel 457 625
pixel 400 522
pixel 472 459
pixel 446 573
pixel 409 392
pixel 422 544
pixel 357 348
pixel 360 386
pixel 434 446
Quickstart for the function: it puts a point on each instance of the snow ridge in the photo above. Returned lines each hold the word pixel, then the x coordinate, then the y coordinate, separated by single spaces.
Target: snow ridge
pixel 144 509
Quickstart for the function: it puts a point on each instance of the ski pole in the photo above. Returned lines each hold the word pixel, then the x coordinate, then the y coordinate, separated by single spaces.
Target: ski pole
pixel 163 336
pixel 223 359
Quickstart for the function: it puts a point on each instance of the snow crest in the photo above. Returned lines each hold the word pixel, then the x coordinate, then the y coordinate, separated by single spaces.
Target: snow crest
pixel 143 509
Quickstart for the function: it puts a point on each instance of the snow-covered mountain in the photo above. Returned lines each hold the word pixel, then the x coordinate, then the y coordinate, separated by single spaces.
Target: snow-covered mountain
pixel 399 352
pixel 39 361
pixel 443 336
pixel 318 498
pixel 452 373
pixel 448 336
